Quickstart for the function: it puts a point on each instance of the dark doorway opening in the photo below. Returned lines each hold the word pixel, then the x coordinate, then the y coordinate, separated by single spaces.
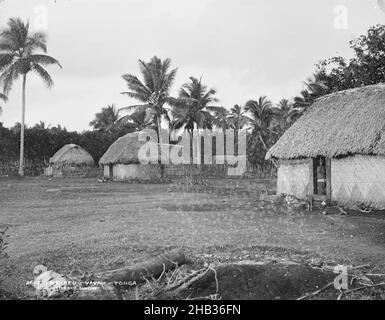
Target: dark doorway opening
pixel 319 174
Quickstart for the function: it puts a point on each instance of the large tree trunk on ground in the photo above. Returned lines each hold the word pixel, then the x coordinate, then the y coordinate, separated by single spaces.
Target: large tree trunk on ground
pixel 142 271
pixel 21 161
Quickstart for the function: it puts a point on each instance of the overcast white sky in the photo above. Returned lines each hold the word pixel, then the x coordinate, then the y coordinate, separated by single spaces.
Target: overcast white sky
pixel 243 48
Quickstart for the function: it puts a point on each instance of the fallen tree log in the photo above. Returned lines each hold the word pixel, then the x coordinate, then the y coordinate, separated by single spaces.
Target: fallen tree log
pixel 126 277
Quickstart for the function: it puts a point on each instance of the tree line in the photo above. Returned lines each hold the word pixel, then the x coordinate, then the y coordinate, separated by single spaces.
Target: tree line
pixel 196 106
pixel 42 142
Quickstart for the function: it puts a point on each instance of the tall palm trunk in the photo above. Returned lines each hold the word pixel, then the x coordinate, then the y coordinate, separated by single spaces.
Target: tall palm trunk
pixel 191 133
pixel 224 146
pixel 158 119
pixel 159 136
pixel 21 163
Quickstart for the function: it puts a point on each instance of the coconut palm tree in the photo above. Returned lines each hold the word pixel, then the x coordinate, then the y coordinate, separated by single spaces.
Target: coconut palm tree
pixel 193 106
pixel 287 114
pixel 18 57
pixel 314 88
pixel 192 109
pixel 152 92
pixel 221 120
pixel 106 119
pixel 237 118
pixel 261 114
pixel 138 121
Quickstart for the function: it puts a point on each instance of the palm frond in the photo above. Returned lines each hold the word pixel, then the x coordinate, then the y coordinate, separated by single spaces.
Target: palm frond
pixel 16 33
pixel 135 85
pixel 9 75
pixel 217 109
pixel 251 106
pixel 184 92
pixel 169 80
pixel 136 95
pixel 181 102
pixel 44 75
pixel 145 70
pixel 38 41
pixel 3 97
pixel 43 59
pixel 7 46
pixel 138 107
pixel 6 60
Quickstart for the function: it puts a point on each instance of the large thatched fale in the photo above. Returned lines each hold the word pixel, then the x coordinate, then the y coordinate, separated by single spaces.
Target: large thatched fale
pixel 121 163
pixel 336 150
pixel 71 160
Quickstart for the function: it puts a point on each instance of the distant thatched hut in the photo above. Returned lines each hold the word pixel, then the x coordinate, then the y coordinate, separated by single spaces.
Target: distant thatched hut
pixel 121 163
pixel 336 150
pixel 71 160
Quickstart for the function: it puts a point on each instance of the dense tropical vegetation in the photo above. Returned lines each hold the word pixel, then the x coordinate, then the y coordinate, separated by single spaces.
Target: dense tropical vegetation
pixel 41 142
pixel 195 107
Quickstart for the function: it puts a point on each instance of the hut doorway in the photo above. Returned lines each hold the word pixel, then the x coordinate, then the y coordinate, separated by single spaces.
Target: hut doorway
pixel 319 174
pixel 322 178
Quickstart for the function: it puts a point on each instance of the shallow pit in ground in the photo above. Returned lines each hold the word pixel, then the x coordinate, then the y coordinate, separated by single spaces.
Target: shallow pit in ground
pixel 262 282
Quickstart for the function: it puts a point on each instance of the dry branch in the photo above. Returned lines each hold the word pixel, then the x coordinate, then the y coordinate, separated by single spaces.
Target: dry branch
pixel 177 289
pixel 138 273
pixel 316 292
pixel 364 287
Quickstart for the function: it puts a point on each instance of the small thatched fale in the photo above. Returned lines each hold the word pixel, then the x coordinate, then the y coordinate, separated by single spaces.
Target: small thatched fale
pixel 121 162
pixel 71 160
pixel 336 150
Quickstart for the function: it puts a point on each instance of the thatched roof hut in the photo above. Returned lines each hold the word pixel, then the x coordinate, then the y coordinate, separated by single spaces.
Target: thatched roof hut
pixel 343 123
pixel 336 150
pixel 72 154
pixel 71 161
pixel 124 150
pixel 121 161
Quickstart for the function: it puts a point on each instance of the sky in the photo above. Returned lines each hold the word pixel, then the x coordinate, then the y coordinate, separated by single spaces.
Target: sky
pixel 242 48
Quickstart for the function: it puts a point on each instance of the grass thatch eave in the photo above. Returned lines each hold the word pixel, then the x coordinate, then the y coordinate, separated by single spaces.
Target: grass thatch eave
pixel 124 150
pixel 343 123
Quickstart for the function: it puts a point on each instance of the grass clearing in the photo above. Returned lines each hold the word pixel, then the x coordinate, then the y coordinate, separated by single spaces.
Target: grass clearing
pixel 79 225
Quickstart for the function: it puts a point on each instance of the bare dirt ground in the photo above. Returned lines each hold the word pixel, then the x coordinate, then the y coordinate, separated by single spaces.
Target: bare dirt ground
pixel 80 225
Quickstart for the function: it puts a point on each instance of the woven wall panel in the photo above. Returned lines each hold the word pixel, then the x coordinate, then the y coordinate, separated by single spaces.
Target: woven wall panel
pixel 359 179
pixel 126 172
pixel 294 178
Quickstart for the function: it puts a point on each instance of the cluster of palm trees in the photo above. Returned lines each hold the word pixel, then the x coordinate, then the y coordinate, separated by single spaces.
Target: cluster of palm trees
pixel 22 52
pixel 196 106
pixel 109 121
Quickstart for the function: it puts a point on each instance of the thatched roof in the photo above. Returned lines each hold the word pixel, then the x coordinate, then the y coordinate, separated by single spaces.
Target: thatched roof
pixel 124 150
pixel 72 154
pixel 342 123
